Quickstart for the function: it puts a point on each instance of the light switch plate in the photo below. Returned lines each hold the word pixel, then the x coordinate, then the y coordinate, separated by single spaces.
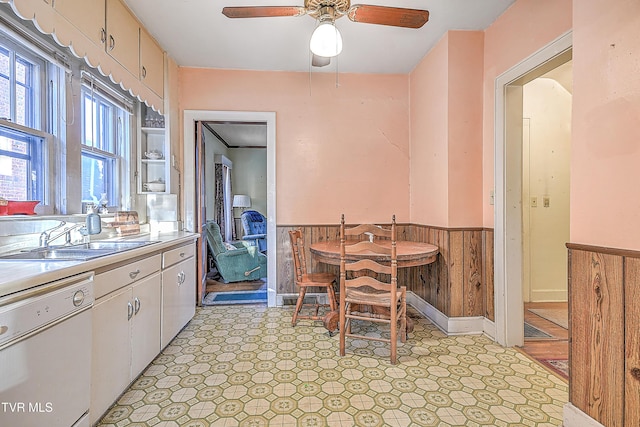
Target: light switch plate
pixel 534 202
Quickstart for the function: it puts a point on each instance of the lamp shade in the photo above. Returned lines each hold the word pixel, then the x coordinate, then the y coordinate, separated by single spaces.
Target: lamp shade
pixel 326 40
pixel 241 201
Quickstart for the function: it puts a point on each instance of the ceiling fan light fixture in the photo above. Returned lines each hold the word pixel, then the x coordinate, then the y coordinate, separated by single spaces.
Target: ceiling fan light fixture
pixel 326 40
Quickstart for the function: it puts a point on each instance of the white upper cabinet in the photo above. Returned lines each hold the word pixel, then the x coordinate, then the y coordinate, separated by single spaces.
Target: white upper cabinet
pixel 151 63
pixel 123 36
pixel 88 16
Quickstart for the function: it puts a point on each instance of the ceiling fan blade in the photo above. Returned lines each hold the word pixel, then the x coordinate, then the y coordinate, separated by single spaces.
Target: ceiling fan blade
pixel 262 11
pixel 393 16
pixel 319 61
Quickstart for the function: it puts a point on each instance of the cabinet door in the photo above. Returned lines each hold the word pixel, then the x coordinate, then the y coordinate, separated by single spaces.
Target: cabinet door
pixel 151 64
pixel 123 36
pixel 145 323
pixel 88 16
pixel 178 298
pixel 111 351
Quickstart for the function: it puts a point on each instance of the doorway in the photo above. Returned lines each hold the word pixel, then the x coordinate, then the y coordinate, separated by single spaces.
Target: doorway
pixel 546 150
pixel 191 117
pixel 509 194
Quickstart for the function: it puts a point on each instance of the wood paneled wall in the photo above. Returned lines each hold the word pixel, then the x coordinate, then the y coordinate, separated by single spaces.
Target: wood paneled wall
pixel 604 352
pixel 459 283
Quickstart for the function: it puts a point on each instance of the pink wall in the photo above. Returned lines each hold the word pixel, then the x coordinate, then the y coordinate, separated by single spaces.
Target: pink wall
pixel 446 133
pixel 429 146
pixel 605 153
pixel 339 150
pixel 465 128
pixel 526 27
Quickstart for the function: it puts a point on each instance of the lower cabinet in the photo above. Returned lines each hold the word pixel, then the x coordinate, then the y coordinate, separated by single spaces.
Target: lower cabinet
pixel 178 290
pixel 126 338
pixel 140 307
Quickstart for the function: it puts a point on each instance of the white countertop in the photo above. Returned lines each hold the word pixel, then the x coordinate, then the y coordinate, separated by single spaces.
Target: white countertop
pixel 16 276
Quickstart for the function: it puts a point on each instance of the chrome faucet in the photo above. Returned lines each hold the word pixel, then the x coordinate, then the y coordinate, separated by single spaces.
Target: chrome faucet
pixel 91 226
pixel 45 236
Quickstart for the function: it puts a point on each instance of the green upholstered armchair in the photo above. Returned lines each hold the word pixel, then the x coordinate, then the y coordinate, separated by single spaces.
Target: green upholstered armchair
pixel 245 262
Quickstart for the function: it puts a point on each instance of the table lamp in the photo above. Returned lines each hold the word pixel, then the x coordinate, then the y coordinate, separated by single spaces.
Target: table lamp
pixel 241 201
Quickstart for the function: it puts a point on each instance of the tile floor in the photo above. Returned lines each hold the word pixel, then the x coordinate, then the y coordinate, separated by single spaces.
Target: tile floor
pixel 246 366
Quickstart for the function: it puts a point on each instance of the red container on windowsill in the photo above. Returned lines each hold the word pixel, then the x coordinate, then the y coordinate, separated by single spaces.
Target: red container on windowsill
pixel 15 207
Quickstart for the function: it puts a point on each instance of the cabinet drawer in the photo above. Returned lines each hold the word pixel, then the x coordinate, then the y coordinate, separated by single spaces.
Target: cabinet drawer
pixel 109 281
pixel 173 256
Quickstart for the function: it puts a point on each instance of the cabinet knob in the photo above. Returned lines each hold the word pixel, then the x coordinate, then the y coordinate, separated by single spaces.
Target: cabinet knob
pixel 112 42
pixel 144 72
pixel 129 311
pixel 103 35
pixel 136 305
pixel 181 254
pixel 134 273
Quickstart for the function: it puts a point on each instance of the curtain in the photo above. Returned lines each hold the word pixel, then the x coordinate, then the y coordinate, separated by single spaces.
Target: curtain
pixel 219 213
pixel 224 202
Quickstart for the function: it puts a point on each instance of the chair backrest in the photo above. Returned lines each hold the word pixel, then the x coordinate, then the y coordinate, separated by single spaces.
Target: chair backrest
pixel 366 245
pixel 214 238
pixel 299 257
pixel 253 222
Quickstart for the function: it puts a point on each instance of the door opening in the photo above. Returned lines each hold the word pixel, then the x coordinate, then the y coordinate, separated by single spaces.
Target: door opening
pixel 508 251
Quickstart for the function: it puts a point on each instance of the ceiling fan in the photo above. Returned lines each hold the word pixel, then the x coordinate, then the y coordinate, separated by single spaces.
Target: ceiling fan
pixel 326 41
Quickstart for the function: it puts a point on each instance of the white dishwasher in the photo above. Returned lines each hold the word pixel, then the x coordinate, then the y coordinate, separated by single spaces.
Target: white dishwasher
pixel 45 354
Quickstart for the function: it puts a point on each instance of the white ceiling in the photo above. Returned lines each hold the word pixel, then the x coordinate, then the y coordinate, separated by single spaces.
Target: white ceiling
pixel 196 34
pixel 239 134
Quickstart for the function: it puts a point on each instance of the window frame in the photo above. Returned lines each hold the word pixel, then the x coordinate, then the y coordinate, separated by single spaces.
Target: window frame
pixel 119 134
pixel 36 124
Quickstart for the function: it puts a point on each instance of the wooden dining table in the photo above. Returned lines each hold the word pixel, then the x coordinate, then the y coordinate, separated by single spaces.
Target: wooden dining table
pixel 409 254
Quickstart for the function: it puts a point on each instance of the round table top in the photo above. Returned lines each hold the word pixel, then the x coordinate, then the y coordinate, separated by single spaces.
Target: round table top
pixel 410 254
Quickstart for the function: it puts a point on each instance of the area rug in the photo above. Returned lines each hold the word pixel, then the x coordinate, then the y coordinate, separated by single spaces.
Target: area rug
pixel 226 298
pixel 531 331
pixel 558 316
pixel 559 366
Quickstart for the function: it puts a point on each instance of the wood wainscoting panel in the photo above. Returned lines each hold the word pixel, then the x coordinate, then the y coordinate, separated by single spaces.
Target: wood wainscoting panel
pixel 632 341
pixel 473 302
pixel 456 284
pixel 489 312
pixel 456 274
pixel 440 290
pixel 596 324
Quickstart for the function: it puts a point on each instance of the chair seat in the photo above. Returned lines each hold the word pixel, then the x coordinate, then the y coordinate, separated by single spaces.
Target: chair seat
pixel 316 279
pixel 305 280
pixel 367 295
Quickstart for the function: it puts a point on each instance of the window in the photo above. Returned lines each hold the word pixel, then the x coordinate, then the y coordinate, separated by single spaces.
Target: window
pixel 22 142
pixel 105 146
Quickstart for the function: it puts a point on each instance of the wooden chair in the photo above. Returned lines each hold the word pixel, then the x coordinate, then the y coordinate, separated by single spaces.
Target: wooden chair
pixel 366 297
pixel 305 280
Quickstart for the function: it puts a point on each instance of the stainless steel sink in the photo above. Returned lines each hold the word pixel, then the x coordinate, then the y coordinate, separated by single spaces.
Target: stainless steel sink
pixel 81 252
pixel 120 245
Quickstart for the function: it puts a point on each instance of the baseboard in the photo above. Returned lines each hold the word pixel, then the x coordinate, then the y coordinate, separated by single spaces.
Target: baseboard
pixel 574 417
pixel 489 328
pixel 280 298
pixel 448 325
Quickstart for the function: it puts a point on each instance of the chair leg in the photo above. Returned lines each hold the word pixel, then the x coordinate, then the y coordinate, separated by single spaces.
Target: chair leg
pixel 342 329
pixel 403 318
pixel 394 335
pixel 294 319
pixel 331 294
